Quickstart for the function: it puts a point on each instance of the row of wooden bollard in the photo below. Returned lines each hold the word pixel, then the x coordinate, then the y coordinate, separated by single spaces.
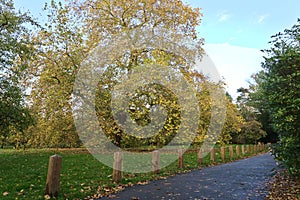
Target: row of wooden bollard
pixel 55 163
pixel 239 151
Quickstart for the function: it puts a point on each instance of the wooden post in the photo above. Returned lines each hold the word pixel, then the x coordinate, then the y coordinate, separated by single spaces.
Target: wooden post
pixel 155 162
pixel 231 152
pixel 118 165
pixel 243 149
pixel 248 148
pixel 237 150
pixel 260 146
pixel 53 176
pixel 212 155
pixel 223 153
pixel 200 159
pixel 180 158
pixel 254 149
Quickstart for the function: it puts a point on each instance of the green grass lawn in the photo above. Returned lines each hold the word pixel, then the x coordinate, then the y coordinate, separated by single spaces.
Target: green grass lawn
pixel 23 173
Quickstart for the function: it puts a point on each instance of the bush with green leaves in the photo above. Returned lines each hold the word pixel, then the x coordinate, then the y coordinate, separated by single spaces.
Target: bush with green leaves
pixel 280 90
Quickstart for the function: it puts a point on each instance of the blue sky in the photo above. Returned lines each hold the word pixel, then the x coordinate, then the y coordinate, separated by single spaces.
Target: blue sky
pixel 234 30
pixel 245 23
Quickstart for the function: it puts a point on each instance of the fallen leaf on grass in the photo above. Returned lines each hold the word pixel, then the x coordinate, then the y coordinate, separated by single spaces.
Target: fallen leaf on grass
pixel 20 193
pixel 143 183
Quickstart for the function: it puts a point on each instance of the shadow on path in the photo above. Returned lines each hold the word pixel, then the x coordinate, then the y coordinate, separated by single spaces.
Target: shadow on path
pixel 243 179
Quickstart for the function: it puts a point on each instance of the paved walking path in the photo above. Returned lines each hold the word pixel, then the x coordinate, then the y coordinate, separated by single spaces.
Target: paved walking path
pixel 243 179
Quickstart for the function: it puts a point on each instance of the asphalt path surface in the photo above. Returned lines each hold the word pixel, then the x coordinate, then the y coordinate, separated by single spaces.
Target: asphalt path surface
pixel 242 179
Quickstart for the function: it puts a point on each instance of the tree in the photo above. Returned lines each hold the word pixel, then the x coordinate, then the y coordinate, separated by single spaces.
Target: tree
pixel 72 32
pixel 103 19
pixel 251 129
pixel 16 50
pixel 232 121
pixel 52 74
pixel 280 89
pixel 254 99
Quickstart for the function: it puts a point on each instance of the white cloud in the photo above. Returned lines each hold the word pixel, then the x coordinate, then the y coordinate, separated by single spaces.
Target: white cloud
pixel 223 16
pixel 262 18
pixel 236 64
